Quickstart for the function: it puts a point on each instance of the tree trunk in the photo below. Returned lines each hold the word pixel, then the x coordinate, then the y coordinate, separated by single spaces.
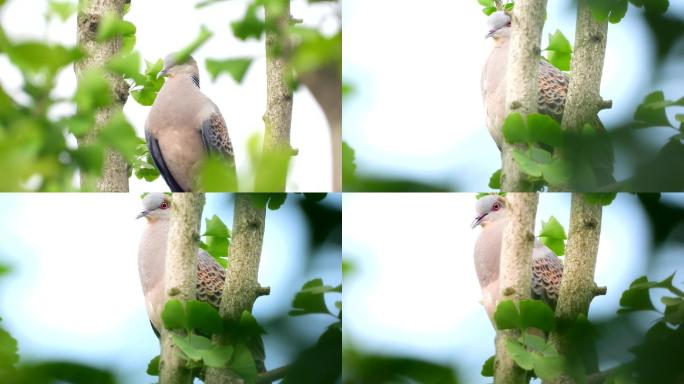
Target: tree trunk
pixel 577 286
pixel 584 99
pixel 521 74
pixel 326 86
pixel 242 286
pixel 278 117
pixel 515 277
pixel 180 279
pixel 115 171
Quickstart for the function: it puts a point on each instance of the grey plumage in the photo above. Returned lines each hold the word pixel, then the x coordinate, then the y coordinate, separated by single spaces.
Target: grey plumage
pixel 183 126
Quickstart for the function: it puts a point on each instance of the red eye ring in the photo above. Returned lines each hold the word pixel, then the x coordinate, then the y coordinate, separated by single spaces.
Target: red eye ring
pixel 164 205
pixel 496 206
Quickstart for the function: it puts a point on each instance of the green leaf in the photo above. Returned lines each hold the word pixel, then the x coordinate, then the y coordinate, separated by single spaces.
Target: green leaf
pixel 651 112
pixel 559 51
pixel 243 363
pixel 557 172
pixel 62 9
pixel 249 326
pixel 489 10
pixel 637 297
pixel 536 314
pixel 549 367
pixel 236 68
pixel 203 317
pixel 79 124
pixel 506 315
pixel 526 164
pixel 127 65
pixel 184 343
pixel 89 157
pixel 517 352
pixel 314 50
pixel 495 180
pixel 217 174
pixel 618 12
pixel 173 315
pixel 217 356
pixel 250 25
pixel 348 163
pixel 514 129
pixel 600 198
pixel 9 355
pixel 216 227
pixel 310 299
pixel 488 367
pixel 486 3
pixel 153 366
pixel 112 26
pixel 544 129
pixel 36 57
pixel 92 91
pixel 271 200
pixel 553 236
pixel 120 135
pixel 202 37
pixel 271 168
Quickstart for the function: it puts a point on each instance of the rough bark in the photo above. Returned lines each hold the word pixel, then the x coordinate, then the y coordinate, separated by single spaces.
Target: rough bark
pixel 181 276
pixel 326 86
pixel 242 286
pixel 521 88
pixel 115 171
pixel 578 287
pixel 584 99
pixel 515 274
pixel 278 117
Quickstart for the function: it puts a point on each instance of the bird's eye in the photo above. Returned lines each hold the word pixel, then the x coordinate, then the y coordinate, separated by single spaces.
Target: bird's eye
pixel 508 24
pixel 496 206
pixel 164 205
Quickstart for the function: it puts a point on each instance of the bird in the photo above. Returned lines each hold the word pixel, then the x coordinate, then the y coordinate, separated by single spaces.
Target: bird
pixel 183 126
pixel 151 260
pixel 547 268
pixel 553 89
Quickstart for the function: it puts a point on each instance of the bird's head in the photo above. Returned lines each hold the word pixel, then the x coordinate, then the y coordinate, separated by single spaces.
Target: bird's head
pixel 173 68
pixel 499 24
pixel 156 206
pixel 489 209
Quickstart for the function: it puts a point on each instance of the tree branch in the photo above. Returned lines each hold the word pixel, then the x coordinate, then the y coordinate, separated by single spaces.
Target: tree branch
pixel 325 85
pixel 272 375
pixel 242 286
pixel 115 171
pixel 577 286
pixel 278 117
pixel 180 278
pixel 521 74
pixel 515 274
pixel 584 98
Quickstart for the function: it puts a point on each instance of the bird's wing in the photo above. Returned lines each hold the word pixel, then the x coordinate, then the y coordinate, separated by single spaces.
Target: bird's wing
pixel 215 135
pixel 210 278
pixel 553 88
pixel 547 271
pixel 158 160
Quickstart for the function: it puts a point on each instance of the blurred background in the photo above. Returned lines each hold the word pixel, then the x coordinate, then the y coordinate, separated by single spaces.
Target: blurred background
pixel 412 296
pixel 165 26
pixel 72 292
pixel 415 117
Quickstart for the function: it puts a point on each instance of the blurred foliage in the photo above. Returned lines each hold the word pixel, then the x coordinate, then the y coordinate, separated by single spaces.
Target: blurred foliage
pixel 365 368
pixel 34 151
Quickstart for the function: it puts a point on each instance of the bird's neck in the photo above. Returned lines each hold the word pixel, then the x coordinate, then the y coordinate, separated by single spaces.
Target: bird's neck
pixel 152 254
pixel 488 247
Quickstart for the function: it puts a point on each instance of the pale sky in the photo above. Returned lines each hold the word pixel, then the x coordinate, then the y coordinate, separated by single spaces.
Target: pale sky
pixel 164 26
pixel 74 292
pixel 414 291
pixel 415 68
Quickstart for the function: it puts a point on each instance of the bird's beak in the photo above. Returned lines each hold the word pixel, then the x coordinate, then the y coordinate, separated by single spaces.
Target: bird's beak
pixel 490 33
pixel 477 221
pixel 164 72
pixel 142 214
